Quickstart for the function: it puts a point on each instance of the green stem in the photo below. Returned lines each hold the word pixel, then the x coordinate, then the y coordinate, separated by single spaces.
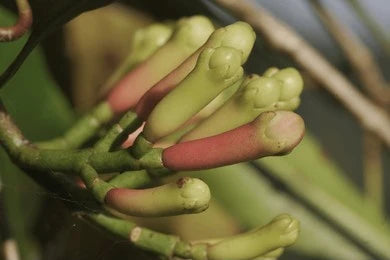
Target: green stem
pixel 162 244
pixel 84 129
pixel 97 186
pixel 141 146
pixel 69 161
pixel 118 132
pixel 144 238
pixel 282 231
pixel 131 179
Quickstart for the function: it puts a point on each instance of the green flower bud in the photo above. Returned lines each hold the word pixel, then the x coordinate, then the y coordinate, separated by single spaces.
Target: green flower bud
pixel 270 72
pixel 193 31
pixel 187 195
pixel 292 83
pixel 279 90
pixel 239 35
pixel 260 92
pixel 210 77
pixel 148 39
pixel 282 231
pixel 189 34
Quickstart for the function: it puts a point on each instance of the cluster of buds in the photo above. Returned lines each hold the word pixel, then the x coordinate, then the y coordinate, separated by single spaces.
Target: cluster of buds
pixel 200 110
pixel 186 104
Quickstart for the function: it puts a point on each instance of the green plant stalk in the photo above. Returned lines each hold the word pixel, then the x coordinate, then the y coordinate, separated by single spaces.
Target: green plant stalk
pixel 84 129
pixel 159 243
pixel 246 244
pixel 131 179
pixel 118 132
pixel 97 186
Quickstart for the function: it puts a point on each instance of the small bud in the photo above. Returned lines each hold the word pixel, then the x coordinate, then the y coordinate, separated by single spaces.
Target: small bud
pixel 187 195
pixel 292 83
pixel 282 231
pixel 270 72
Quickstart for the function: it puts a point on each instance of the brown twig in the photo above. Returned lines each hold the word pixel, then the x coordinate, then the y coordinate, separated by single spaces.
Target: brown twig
pixel 283 38
pixel 359 56
pixel 24 23
pixel 368 72
pixel 381 37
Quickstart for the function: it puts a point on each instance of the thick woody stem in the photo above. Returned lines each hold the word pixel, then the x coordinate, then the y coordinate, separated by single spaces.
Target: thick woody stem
pixel 281 37
pixel 22 25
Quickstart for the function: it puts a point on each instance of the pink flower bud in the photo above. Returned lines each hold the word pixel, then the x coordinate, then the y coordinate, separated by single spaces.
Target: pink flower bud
pixel 272 133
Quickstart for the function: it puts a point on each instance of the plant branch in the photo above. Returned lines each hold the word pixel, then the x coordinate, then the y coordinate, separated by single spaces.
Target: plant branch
pixel 23 24
pixel 369 73
pixel 280 232
pixel 377 32
pixel 281 37
pixel 118 132
pixel 359 56
pixel 84 129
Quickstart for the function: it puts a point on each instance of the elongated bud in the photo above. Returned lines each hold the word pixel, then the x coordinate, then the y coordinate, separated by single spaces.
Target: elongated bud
pixel 190 33
pixel 216 70
pixel 282 231
pixel 279 90
pixel 187 195
pixel 272 133
pixel 148 39
pixel 239 36
pixel 145 42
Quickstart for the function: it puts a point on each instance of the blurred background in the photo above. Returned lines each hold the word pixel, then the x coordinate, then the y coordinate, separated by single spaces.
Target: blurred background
pixel 334 182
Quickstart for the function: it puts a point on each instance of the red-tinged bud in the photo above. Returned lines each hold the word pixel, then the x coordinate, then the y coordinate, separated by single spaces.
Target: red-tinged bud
pixel 272 133
pixel 189 35
pixel 187 195
pixel 154 95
